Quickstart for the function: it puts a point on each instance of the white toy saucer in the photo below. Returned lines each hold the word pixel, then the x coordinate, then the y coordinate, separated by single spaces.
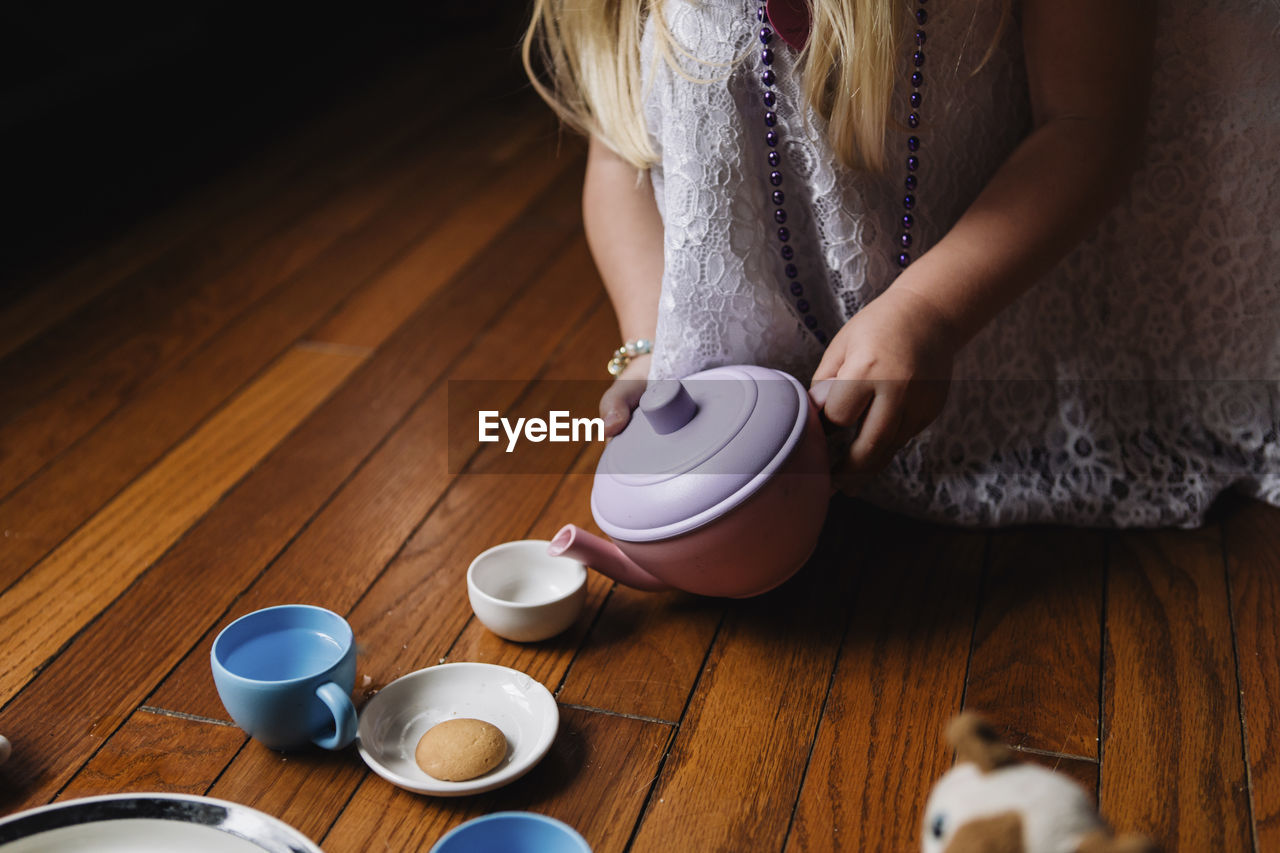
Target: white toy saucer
pixel 398 715
pixel 149 823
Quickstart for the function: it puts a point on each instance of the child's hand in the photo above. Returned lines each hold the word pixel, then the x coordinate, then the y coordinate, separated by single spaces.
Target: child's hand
pixel 884 377
pixel 623 395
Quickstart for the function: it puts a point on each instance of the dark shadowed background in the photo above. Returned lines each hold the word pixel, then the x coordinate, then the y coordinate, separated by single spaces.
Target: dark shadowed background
pixel 107 113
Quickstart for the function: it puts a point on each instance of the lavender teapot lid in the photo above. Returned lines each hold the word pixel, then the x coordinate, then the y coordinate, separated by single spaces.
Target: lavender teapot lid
pixel 695 449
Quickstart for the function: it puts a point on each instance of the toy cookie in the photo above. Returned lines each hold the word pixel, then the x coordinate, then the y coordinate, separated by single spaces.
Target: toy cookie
pixel 461 749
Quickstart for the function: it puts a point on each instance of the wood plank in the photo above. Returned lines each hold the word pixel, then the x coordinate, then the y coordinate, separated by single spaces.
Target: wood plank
pixel 231 546
pixel 147 302
pixel 644 653
pixel 1172 764
pixel 40 514
pixel 367 318
pixel 735 768
pixel 51 424
pixel 347 547
pixel 403 174
pixel 341 552
pixel 321 148
pixel 425 585
pixel 52 602
pixel 899 680
pixel 312 794
pixel 1253 561
pixel 1082 770
pixel 435 612
pixel 49 297
pixel 595 779
pixel 1036 667
pixel 306 789
pixel 158 752
pixel 325 139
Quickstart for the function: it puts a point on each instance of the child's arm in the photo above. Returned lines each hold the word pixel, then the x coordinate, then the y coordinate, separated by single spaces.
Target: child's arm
pixel 1088 64
pixel 624 232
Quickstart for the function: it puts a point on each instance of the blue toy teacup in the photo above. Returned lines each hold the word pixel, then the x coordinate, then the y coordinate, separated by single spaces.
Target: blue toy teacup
pixel 285 676
pixel 512 832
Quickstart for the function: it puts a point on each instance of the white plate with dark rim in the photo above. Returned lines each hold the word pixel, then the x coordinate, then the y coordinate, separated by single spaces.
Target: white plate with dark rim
pixel 140 823
pixel 395 719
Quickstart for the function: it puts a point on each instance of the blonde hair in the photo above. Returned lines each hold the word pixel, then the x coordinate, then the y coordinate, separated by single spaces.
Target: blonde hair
pixel 589 53
pixel 853 97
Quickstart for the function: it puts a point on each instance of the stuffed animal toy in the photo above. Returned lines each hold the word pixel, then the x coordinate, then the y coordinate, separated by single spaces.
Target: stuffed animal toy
pixel 991 803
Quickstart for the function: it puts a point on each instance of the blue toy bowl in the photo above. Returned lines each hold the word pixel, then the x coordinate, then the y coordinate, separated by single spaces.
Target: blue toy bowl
pixel 512 832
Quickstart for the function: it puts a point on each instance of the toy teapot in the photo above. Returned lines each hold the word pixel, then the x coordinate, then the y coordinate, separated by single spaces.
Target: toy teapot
pixel 718 486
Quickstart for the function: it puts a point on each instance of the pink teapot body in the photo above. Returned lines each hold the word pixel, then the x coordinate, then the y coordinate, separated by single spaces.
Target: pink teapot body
pixel 718 486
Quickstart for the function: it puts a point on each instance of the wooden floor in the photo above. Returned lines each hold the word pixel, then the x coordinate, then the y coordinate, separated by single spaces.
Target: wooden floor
pixel 243 400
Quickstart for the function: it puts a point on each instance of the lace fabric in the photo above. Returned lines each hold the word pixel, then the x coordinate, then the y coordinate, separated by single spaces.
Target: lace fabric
pixel 1131 386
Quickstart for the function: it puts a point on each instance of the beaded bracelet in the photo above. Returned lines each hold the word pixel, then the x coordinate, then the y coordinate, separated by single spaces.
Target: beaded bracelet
pixel 622 355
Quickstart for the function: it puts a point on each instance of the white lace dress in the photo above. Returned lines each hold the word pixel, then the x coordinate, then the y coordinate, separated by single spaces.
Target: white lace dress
pixel 1131 386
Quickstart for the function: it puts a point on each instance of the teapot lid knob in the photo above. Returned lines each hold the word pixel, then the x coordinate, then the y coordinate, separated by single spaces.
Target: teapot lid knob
pixel 667 405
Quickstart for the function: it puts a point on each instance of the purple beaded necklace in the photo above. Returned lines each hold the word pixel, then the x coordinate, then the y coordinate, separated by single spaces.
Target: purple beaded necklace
pixel 794 31
pixel 913 141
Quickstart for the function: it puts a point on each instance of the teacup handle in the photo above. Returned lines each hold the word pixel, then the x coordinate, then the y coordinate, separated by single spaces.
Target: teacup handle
pixel 344 716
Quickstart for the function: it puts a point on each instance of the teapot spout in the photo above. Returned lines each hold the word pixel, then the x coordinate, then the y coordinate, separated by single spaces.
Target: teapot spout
pixel 604 557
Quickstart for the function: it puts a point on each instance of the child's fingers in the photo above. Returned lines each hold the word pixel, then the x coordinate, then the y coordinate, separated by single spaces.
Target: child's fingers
pixel 819 391
pixel 622 397
pixel 614 410
pixel 617 404
pixel 829 366
pixel 846 400
pixel 876 440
